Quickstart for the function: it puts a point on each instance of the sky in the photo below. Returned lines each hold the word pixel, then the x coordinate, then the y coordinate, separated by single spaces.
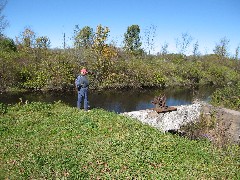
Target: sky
pixel 205 21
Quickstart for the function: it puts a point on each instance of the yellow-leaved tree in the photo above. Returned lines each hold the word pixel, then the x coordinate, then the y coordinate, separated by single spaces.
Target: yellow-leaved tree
pixel 104 53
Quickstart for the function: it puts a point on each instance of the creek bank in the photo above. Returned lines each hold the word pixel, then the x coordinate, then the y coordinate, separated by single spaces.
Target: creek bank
pixel 228 121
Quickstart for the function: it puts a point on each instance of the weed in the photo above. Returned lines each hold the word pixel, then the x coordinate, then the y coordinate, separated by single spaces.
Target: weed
pixel 210 127
pixel 3 108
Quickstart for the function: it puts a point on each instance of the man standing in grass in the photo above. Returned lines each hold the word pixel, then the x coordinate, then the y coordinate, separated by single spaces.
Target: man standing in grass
pixel 82 84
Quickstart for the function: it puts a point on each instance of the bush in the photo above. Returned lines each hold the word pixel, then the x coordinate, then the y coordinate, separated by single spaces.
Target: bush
pixel 57 69
pixel 7 44
pixel 228 96
pixel 8 70
pixel 209 127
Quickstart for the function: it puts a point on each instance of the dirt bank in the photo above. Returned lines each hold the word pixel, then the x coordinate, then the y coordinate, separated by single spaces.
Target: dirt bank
pixel 228 122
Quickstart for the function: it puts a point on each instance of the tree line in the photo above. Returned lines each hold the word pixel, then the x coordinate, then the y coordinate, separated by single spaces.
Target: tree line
pixel 29 63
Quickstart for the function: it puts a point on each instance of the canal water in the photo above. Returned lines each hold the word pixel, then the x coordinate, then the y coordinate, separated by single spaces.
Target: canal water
pixel 115 100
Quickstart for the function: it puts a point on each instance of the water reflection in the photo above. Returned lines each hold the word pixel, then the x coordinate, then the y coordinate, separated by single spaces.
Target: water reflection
pixel 117 101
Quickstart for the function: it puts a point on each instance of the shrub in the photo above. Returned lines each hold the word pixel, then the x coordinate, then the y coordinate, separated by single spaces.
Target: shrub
pixel 208 127
pixel 228 96
pixel 7 44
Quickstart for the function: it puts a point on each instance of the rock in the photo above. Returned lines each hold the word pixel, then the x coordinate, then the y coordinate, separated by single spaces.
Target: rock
pixel 172 121
pixel 169 120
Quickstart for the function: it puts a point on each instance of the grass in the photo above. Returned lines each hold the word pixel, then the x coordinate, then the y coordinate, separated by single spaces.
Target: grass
pixel 55 141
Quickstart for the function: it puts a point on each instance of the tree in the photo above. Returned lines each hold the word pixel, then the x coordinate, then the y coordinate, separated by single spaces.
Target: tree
pixel 7 44
pixel 132 41
pixel 42 42
pixel 99 39
pixel 84 37
pixel 104 54
pixel 221 49
pixel 150 34
pixel 3 22
pixel 164 49
pixel 27 38
pixel 196 52
pixel 184 43
pixel 237 52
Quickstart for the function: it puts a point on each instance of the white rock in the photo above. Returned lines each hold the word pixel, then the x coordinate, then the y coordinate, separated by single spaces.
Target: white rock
pixel 169 120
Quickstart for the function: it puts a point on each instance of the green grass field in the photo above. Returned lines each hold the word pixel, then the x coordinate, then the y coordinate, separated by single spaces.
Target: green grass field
pixel 55 141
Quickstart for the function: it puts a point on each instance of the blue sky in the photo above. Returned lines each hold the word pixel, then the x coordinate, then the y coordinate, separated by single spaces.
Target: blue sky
pixel 206 21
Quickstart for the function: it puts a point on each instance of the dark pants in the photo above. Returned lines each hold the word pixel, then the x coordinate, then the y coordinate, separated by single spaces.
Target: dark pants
pixel 83 95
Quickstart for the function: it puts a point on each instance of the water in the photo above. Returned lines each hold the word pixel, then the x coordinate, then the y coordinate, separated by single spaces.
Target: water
pixel 116 101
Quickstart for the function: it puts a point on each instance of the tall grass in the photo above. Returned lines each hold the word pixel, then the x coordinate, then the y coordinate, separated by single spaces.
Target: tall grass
pixel 54 141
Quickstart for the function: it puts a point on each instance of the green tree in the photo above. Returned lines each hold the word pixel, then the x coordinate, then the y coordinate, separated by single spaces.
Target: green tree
pixel 221 49
pixel 42 42
pixel 7 44
pixel 132 42
pixel 83 37
pixel 3 21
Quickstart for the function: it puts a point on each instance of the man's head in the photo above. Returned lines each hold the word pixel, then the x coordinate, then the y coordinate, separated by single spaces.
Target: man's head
pixel 84 71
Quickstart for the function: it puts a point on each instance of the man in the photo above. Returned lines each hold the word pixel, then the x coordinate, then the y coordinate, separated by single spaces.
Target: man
pixel 82 84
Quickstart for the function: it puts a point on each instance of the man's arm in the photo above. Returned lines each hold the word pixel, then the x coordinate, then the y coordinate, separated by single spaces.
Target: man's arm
pixel 78 83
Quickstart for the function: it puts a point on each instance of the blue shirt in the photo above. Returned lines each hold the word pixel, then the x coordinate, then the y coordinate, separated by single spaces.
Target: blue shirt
pixel 81 81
